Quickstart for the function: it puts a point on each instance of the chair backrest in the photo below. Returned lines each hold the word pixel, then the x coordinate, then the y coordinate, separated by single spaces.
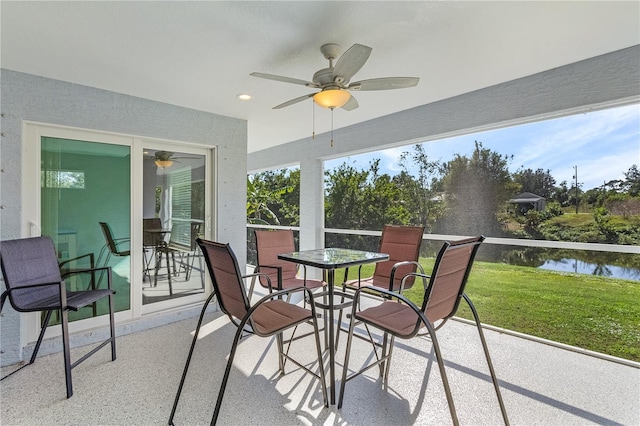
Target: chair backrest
pixel 401 243
pixel 148 238
pixel 226 277
pixel 108 236
pixel 449 278
pixel 269 244
pixel 181 231
pixel 195 234
pixel 29 261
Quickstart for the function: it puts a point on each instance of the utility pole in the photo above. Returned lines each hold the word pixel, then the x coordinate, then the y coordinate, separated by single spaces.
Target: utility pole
pixel 575 176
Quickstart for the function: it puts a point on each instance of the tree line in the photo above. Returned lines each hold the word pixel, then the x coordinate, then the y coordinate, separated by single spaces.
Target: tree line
pixel 461 196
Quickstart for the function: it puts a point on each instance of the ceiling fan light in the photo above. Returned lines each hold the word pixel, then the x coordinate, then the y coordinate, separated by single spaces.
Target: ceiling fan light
pixel 164 163
pixel 332 98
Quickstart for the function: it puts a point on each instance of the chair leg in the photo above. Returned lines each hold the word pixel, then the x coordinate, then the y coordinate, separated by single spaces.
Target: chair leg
pixel 40 337
pixel 201 268
pixel 280 344
pixel 323 381
pixel 227 371
pixel 386 354
pixel 443 373
pixel 494 379
pixel 66 350
pixel 186 365
pixel 112 321
pixel 345 368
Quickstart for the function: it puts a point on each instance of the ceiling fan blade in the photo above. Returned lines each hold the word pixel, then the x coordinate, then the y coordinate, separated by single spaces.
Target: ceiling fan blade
pixel 351 61
pixel 283 79
pixel 294 101
pixel 385 83
pixel 351 104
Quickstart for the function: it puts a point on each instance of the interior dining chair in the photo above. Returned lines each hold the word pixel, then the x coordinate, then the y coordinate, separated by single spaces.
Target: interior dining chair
pixel 112 245
pixel 150 240
pixel 396 316
pixel 270 316
pixel 187 251
pixel 269 244
pixel 34 284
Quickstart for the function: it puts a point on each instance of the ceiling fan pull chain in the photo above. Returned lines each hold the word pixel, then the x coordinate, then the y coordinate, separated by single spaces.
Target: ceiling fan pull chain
pixel 332 127
pixel 313 120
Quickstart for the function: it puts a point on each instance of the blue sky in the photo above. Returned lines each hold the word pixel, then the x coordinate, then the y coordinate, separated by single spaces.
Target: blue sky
pixel 602 144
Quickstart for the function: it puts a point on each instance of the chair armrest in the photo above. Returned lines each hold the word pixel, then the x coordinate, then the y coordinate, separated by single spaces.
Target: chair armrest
pixel 386 294
pixel 259 274
pixel 92 270
pixel 278 271
pixel 279 294
pixel 404 263
pixel 8 292
pixel 89 255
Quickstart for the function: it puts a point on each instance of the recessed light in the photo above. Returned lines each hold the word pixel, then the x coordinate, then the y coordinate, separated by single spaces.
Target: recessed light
pixel 244 96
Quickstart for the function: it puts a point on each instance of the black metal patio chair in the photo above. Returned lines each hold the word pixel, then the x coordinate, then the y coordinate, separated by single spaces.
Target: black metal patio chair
pixel 34 284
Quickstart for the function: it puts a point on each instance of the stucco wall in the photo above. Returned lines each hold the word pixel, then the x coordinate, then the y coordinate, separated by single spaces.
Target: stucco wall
pixel 28 97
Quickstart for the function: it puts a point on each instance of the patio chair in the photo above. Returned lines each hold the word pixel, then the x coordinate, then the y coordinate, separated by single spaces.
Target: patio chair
pixel 269 244
pixel 112 245
pixel 398 317
pixel 270 316
pixel 402 244
pixel 150 240
pixel 187 252
pixel 34 284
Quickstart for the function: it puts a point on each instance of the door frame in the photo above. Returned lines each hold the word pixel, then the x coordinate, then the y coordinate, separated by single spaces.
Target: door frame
pixel 31 215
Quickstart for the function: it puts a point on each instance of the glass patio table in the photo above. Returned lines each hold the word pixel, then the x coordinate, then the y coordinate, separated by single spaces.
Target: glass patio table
pixel 330 259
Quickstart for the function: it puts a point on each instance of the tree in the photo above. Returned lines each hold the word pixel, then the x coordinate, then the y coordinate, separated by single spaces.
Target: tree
pixel 561 194
pixel 632 182
pixel 362 199
pixel 420 194
pixel 538 182
pixel 344 188
pixel 267 201
pixel 476 190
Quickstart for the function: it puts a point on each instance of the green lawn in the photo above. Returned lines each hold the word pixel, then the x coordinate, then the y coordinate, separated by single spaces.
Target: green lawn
pixel 596 313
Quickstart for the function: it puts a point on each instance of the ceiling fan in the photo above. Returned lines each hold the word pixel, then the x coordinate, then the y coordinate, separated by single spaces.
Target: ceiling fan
pixel 334 81
pixel 164 159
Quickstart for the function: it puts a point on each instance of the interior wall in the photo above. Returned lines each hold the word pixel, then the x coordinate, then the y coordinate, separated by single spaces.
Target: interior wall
pixel 27 97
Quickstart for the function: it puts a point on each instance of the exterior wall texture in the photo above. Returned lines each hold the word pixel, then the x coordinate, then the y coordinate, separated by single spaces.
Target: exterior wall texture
pixel 32 98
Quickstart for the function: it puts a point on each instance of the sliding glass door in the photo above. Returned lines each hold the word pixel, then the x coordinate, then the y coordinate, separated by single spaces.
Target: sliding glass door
pixel 83 184
pixel 151 198
pixel 174 198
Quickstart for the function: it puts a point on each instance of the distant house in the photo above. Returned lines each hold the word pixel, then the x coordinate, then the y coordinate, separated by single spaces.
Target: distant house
pixel 528 201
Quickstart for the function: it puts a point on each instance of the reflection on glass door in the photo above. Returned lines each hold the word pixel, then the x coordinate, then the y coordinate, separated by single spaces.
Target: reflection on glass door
pixel 82 184
pixel 173 217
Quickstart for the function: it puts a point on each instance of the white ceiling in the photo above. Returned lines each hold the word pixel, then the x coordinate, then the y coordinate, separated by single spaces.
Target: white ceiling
pixel 199 54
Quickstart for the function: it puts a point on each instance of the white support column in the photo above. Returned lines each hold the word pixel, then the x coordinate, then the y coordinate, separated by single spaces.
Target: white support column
pixel 311 204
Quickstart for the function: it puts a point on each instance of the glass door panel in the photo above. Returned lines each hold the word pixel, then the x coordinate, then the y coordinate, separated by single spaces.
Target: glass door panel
pixel 174 199
pixel 84 183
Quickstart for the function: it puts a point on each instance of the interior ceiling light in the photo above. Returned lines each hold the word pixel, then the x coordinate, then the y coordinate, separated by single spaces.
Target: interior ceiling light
pixel 164 163
pixel 244 96
pixel 332 98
